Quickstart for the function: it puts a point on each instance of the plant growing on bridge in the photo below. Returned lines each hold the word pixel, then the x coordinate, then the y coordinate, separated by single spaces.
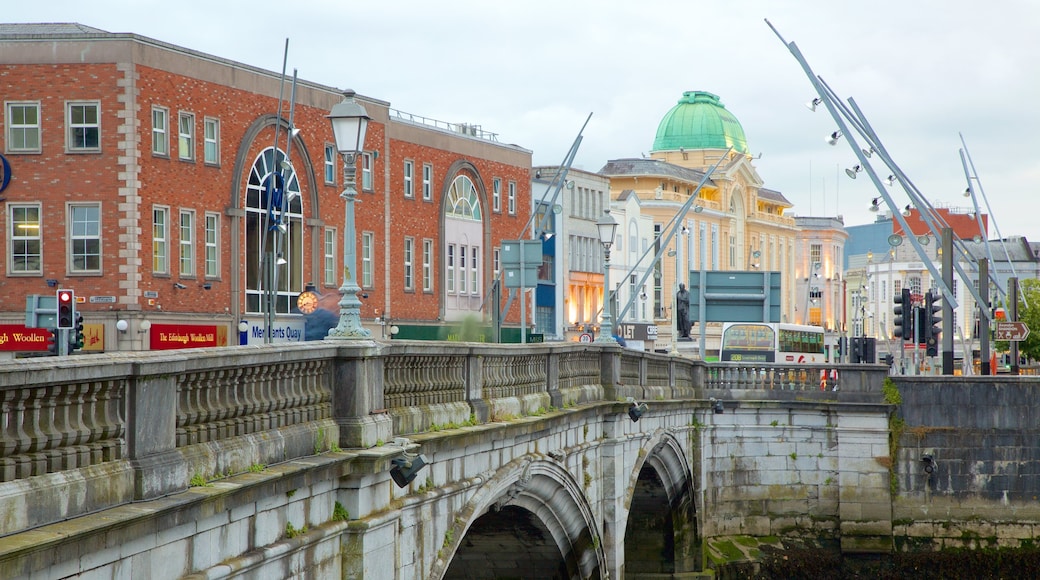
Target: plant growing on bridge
pixel 198 480
pixel 891 392
pixel 291 531
pixel 257 468
pixel 340 513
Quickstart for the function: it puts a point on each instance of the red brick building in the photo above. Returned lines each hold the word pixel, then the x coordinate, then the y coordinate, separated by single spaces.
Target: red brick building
pixel 138 173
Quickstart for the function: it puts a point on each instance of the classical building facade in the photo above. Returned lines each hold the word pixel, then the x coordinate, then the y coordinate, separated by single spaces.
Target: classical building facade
pixel 819 281
pixel 138 174
pixel 735 224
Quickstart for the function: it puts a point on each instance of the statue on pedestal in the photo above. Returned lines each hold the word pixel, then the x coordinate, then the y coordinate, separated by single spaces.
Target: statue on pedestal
pixel 682 312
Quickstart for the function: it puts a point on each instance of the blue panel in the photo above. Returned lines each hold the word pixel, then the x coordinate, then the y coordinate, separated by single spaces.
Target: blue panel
pixel 545 295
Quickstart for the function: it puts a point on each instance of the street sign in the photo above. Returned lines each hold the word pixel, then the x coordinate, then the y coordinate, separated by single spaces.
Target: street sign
pixel 1011 331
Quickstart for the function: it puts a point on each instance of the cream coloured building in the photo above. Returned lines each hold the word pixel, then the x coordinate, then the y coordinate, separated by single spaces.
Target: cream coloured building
pixel 735 224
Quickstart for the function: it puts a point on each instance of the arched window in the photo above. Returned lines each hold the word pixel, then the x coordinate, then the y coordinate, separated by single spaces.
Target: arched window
pixel 462 200
pixel 274 243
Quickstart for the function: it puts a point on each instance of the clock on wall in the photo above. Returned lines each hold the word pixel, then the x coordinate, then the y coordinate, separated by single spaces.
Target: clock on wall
pixel 307 301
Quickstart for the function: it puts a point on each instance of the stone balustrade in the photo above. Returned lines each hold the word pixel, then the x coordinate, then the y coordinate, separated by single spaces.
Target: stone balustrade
pixel 109 429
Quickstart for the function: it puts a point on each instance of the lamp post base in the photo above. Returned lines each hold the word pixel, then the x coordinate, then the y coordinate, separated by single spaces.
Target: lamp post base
pixel 349 326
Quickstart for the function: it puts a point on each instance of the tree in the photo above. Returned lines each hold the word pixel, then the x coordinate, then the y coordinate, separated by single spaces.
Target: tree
pixel 1029 293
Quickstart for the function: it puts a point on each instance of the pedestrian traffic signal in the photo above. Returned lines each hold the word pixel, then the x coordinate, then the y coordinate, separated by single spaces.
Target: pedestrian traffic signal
pixel 904 321
pixel 66 308
pixel 52 341
pixel 76 338
pixel 932 330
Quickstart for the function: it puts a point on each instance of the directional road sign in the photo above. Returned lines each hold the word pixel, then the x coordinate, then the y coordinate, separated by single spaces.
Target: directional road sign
pixel 1011 331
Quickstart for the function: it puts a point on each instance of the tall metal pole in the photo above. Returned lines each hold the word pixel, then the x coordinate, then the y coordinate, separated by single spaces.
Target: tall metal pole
pixel 1013 317
pixel 606 330
pixel 983 319
pixel 947 306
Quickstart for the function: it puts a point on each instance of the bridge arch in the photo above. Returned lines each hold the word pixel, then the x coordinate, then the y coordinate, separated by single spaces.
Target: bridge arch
pixel 537 510
pixel 661 534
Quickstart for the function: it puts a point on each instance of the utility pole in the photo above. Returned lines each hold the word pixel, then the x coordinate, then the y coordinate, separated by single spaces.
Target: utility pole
pixel 947 305
pixel 984 318
pixel 1013 317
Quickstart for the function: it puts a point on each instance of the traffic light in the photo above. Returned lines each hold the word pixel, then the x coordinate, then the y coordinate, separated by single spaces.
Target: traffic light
pixel 904 320
pixel 52 341
pixel 66 308
pixel 932 318
pixel 76 337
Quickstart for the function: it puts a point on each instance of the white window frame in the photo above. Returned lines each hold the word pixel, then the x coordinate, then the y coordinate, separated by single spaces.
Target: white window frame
pixel 427 182
pixel 409 178
pixel 329 257
pixel 160 240
pixel 330 163
pixel 186 243
pixel 496 261
pixel 22 232
pixel 84 231
pixel 212 242
pixel 186 136
pixel 211 141
pixel 427 266
pixel 409 264
pixel 496 194
pixel 512 198
pixel 449 269
pixel 367 245
pixel 23 129
pixel 367 183
pixel 160 131
pixel 84 126
pixel 463 269
pixel 474 270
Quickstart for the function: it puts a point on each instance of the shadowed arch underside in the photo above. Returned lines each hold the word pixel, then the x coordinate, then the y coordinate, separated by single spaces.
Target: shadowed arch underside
pixel 661 532
pixel 531 522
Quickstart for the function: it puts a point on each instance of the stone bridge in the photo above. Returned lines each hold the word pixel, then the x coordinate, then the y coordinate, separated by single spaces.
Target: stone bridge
pixel 275 462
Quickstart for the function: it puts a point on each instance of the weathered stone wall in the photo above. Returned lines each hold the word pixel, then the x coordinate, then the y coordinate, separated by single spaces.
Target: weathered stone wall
pixel 981 486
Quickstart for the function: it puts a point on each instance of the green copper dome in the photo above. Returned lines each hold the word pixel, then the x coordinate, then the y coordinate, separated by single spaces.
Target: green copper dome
pixel 699 121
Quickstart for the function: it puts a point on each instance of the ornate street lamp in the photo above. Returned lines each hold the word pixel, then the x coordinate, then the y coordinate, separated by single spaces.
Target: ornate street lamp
pixel 607 227
pixel 349 122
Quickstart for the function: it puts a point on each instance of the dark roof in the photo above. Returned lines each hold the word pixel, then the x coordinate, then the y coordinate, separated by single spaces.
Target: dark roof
pixel 774 196
pixel 619 167
pixel 47 29
pixel 1018 248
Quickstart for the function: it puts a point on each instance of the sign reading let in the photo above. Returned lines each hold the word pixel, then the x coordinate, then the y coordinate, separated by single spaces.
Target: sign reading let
pixel 18 338
pixel 171 336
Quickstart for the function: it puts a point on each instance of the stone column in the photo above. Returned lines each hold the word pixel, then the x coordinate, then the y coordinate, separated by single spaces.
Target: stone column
pixel 151 429
pixel 357 395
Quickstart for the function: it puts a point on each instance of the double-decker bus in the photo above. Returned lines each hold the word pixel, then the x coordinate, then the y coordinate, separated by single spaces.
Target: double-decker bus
pixel 771 342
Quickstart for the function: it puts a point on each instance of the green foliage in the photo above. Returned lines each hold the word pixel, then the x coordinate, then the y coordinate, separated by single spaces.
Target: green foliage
pixel 891 392
pixel 340 513
pixel 794 456
pixel 1029 292
pixel 257 468
pixel 774 423
pixel 198 480
pixel 292 532
pixel 319 441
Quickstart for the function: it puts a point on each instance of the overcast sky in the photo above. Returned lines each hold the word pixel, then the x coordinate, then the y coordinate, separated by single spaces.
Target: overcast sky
pixel 923 72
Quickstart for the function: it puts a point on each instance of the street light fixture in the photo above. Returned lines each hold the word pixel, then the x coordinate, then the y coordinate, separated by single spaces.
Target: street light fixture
pixel 349 121
pixel 607 227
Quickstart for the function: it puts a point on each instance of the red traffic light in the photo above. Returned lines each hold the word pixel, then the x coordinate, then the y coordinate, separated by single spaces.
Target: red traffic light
pixel 64 296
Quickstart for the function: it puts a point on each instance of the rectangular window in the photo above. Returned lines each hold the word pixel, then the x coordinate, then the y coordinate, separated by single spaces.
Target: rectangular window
pixel 463 276
pixel 186 137
pixel 160 235
pixel 409 257
pixel 427 266
pixel 367 241
pixel 512 198
pixel 330 164
pixel 409 185
pixel 85 237
pixel 23 127
pixel 329 257
pixel 212 245
pixel 26 239
pixel 211 140
pixel 474 272
pixel 84 126
pixel 427 182
pixel 496 194
pixel 449 270
pixel 496 261
pixel 160 129
pixel 187 243
pixel 366 171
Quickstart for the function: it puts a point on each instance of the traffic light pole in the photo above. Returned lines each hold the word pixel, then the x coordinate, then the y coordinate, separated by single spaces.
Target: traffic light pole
pixel 1013 317
pixel 984 318
pixel 917 341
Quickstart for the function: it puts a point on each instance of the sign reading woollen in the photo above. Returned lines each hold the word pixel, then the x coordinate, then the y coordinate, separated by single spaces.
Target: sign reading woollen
pixel 174 336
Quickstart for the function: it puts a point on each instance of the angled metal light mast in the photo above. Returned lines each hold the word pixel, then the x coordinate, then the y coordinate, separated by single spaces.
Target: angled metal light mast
pixel 839 113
